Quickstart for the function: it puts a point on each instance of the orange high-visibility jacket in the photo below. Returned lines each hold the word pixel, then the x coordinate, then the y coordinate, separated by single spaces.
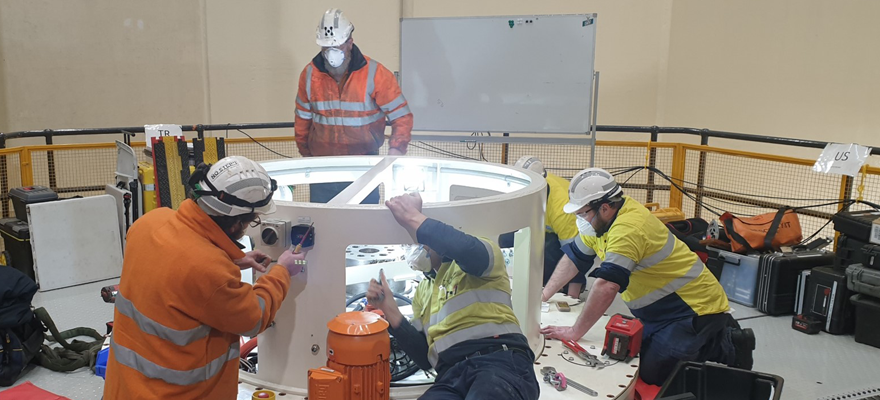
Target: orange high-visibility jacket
pixel 350 121
pixel 181 307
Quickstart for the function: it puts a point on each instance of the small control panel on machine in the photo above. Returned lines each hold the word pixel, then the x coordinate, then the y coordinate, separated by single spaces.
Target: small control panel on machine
pixel 279 234
pixel 275 233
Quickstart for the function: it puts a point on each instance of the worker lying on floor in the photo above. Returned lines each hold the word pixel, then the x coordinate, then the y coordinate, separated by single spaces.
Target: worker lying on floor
pixel 463 324
pixel 181 306
pixel 664 284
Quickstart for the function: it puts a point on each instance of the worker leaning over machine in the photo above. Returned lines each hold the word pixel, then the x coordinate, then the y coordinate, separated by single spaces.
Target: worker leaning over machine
pixel 343 100
pixel 181 305
pixel 560 227
pixel 463 324
pixel 664 284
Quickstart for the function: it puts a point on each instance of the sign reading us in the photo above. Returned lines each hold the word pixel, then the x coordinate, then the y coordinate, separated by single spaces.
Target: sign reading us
pixel 842 159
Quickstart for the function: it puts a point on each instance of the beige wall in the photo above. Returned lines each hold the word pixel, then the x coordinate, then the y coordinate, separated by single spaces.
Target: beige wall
pixel 807 69
pixel 88 63
pixel 794 68
pixel 256 51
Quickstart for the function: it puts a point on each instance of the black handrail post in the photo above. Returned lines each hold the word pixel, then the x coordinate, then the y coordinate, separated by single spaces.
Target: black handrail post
pixel 50 160
pixel 505 150
pixel 4 186
pixel 652 161
pixel 200 130
pixel 701 173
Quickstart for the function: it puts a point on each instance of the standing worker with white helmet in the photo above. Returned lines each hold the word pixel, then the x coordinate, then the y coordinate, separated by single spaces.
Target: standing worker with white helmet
pixel 560 227
pixel 343 100
pixel 181 306
pixel 664 284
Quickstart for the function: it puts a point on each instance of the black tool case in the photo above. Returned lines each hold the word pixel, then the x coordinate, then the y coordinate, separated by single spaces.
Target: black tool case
pixel 778 276
pixel 871 256
pixel 850 251
pixel 863 280
pixel 856 224
pixel 828 299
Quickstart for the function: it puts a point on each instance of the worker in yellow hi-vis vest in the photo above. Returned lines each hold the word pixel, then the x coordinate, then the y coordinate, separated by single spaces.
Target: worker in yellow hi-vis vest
pixel 463 323
pixel 665 285
pixel 560 227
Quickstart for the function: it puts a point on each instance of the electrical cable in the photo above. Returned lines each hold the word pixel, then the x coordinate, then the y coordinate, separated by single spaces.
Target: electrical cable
pixel 438 150
pixel 848 202
pixel 468 143
pixel 261 145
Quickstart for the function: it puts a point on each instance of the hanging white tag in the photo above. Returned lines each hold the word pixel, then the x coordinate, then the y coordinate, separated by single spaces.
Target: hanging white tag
pixel 842 159
pixel 160 130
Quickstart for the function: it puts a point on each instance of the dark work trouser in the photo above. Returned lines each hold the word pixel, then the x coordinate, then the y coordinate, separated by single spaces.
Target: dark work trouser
pixel 507 375
pixel 700 339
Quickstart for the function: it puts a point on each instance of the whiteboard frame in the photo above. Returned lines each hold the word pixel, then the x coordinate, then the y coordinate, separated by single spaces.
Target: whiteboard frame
pixel 592 93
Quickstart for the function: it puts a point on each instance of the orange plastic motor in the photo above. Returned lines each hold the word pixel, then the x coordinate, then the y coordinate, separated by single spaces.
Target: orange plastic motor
pixel 358 349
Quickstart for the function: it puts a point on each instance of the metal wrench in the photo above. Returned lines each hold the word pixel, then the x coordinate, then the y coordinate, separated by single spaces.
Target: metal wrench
pixel 578 386
pixel 560 382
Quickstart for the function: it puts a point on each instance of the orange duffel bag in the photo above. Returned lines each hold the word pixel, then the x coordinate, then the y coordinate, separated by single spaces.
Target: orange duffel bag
pixel 762 232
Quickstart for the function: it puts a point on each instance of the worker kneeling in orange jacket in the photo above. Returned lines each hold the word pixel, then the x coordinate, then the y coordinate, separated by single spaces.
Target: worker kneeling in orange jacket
pixel 181 305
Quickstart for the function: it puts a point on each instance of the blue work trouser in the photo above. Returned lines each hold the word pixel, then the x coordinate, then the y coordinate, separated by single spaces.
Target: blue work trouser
pixel 507 375
pixel 324 192
pixel 700 339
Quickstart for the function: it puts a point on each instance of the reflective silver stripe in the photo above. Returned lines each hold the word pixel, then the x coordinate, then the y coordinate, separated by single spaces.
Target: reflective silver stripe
pixel 307 106
pixel 399 113
pixel 246 183
pixel 135 361
pixel 491 265
pixel 620 260
pixel 459 302
pixel 567 241
pixel 303 114
pixel 309 82
pixel 670 288
pixel 393 104
pixel 347 121
pixel 371 84
pixel 216 204
pixel 417 323
pixel 583 248
pixel 474 332
pixel 659 256
pixel 344 105
pixel 151 327
pixel 256 330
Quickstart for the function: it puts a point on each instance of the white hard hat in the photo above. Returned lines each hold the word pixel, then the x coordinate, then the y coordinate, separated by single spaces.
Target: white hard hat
pixel 334 29
pixel 531 163
pixel 590 186
pixel 233 186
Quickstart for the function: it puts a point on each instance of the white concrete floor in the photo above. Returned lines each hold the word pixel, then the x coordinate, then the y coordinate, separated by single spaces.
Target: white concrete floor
pixel 813 366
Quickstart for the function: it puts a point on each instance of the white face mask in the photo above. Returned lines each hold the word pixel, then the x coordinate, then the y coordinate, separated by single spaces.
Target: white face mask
pixel 418 258
pixel 585 227
pixel 334 56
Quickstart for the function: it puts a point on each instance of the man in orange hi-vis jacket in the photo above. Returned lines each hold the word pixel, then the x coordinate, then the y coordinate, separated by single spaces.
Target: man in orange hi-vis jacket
pixel 343 100
pixel 181 306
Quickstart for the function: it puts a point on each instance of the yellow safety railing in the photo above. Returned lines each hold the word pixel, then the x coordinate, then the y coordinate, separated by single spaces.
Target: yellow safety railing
pixel 711 178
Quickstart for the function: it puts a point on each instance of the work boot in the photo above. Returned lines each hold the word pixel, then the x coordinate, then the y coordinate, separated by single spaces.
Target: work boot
pixel 744 342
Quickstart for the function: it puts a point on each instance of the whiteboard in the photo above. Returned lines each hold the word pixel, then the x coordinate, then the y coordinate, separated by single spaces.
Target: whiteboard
pixel 479 74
